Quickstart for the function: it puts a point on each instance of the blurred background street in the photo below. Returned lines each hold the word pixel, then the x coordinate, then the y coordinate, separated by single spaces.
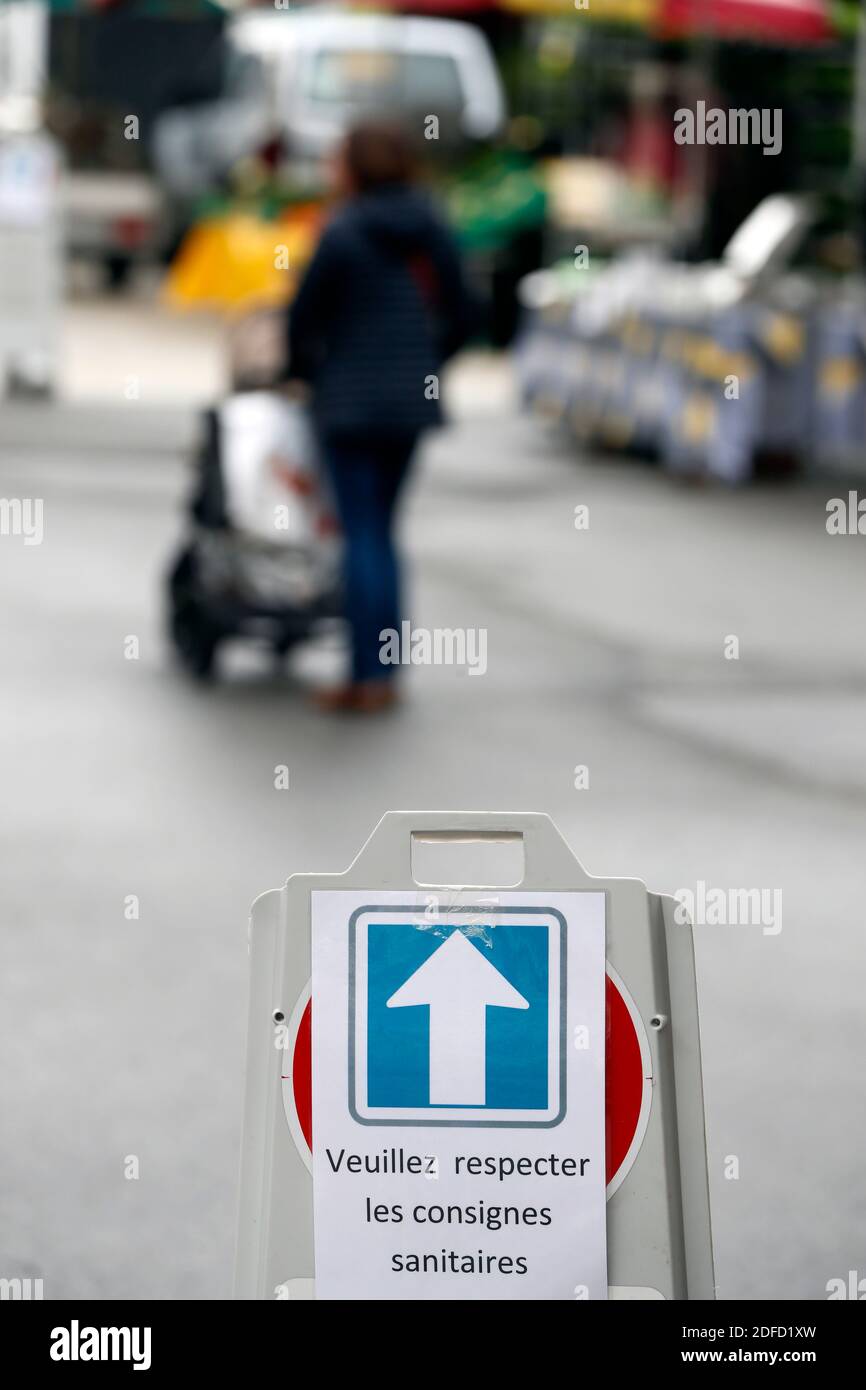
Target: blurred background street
pixel 606 649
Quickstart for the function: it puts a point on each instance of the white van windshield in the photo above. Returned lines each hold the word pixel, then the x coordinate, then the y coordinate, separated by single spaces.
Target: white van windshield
pixel 359 77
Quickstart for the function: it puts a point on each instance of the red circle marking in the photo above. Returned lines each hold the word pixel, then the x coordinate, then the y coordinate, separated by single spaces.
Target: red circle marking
pixel 302 1074
pixel 624 1078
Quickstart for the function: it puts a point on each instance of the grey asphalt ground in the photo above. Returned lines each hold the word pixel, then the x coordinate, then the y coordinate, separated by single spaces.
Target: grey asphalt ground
pixel 605 648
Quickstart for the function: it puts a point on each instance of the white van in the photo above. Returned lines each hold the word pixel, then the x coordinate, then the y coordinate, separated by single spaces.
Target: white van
pixel 330 66
pixel 308 75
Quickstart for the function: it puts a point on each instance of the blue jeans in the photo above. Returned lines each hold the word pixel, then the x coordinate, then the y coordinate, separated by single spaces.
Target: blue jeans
pixel 367 475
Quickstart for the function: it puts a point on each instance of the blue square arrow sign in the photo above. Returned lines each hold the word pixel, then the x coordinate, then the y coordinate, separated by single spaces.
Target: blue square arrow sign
pixel 457 1018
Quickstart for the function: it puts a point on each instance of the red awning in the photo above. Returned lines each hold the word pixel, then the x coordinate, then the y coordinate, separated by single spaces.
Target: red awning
pixel 780 21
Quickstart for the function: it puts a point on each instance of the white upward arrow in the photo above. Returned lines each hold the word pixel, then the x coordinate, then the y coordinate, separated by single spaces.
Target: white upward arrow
pixel 458 984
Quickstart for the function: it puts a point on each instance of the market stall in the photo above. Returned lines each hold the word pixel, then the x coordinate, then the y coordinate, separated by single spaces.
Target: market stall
pixel 709 368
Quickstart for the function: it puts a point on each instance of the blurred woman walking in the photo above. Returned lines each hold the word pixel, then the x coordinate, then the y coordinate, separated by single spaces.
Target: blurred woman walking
pixel 382 306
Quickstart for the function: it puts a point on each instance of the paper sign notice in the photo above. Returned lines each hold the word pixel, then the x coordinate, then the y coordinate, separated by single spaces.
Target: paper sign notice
pixel 459 1096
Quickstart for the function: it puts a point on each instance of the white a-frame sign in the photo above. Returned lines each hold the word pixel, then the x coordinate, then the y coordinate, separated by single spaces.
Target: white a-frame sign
pixel 481 1089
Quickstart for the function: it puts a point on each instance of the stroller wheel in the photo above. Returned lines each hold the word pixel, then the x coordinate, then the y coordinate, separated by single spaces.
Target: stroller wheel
pixel 194 637
pixel 194 641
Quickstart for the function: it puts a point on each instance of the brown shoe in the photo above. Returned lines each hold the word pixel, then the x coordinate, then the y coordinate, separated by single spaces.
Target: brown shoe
pixel 362 697
pixel 373 696
pixel 335 700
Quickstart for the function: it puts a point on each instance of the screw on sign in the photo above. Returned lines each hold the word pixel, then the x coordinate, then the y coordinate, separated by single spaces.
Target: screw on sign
pixel 628 1080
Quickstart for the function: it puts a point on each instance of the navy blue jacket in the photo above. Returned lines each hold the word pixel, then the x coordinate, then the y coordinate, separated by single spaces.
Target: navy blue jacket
pixel 382 305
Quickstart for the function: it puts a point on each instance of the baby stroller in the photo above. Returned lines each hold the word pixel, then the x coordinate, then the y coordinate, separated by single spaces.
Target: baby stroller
pixel 262 558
